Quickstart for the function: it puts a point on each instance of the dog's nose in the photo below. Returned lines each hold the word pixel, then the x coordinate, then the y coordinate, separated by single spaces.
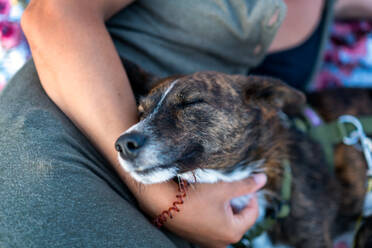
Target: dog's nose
pixel 129 145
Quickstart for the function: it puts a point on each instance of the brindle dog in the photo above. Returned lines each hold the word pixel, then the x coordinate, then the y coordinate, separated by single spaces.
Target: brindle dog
pixel 211 126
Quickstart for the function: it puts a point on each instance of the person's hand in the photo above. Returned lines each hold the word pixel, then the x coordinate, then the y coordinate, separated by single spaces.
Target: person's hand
pixel 206 218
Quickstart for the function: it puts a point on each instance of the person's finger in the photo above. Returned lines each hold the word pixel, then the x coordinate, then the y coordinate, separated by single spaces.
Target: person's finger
pixel 247 186
pixel 246 218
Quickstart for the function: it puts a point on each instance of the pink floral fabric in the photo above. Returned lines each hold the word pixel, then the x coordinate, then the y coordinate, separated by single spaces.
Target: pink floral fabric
pixel 348 57
pixel 14 50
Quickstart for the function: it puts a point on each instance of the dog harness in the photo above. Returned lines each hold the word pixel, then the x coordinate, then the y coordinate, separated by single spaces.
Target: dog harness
pixel 346 129
pixel 351 131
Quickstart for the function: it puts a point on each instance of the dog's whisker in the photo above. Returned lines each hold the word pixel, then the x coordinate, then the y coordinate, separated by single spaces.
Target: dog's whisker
pixel 192 186
pixel 193 174
pixel 179 181
pixel 261 170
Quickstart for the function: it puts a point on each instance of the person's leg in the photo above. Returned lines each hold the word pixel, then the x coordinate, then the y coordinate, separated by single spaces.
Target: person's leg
pixel 56 190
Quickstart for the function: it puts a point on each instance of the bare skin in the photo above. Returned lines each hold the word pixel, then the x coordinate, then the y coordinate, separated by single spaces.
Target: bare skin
pixel 82 73
pixel 302 18
pixel 353 9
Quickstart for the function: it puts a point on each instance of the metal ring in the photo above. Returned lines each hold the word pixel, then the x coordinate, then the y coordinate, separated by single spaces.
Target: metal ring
pixel 353 137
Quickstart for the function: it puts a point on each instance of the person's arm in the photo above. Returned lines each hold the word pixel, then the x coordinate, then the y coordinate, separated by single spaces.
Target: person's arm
pixel 353 9
pixel 79 67
pixel 81 72
pixel 301 19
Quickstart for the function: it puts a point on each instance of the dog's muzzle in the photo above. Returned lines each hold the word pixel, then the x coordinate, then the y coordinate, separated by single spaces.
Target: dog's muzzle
pixel 129 145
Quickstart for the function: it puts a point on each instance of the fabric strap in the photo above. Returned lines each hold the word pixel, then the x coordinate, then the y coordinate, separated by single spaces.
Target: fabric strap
pixel 331 134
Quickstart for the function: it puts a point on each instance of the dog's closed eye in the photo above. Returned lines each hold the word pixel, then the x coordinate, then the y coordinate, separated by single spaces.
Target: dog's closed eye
pixel 187 103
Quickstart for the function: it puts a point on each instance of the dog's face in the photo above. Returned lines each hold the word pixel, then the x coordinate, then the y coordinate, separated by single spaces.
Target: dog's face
pixel 206 126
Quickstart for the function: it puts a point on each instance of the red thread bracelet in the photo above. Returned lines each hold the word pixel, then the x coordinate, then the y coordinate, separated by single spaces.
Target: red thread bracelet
pixel 162 218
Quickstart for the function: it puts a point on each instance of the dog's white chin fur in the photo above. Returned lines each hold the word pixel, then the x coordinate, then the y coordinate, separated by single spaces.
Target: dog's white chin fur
pixel 213 176
pixel 198 175
pixel 155 176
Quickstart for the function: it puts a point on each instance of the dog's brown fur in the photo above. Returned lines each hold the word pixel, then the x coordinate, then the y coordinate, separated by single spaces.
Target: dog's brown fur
pixel 238 120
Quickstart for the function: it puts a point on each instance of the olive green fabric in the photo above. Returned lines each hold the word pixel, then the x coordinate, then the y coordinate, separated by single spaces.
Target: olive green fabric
pixel 330 134
pixel 56 190
pixel 172 37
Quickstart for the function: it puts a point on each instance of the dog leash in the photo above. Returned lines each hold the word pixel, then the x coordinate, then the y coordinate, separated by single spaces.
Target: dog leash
pixel 159 220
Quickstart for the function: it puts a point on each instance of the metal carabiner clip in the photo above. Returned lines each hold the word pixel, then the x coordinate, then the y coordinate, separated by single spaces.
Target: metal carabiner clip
pixel 356 135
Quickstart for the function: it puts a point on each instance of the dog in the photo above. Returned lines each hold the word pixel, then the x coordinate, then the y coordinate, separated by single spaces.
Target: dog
pixel 210 126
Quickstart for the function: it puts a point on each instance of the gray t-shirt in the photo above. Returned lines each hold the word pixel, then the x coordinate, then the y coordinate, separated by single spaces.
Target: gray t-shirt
pixel 172 37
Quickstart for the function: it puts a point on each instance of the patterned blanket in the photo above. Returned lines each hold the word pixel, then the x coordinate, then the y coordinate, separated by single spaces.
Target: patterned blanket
pixel 14 50
pixel 348 57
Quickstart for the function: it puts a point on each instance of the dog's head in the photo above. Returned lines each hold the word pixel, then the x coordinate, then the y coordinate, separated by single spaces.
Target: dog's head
pixel 209 126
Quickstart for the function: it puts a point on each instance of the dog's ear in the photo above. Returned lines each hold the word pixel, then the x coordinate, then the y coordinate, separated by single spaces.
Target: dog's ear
pixel 273 92
pixel 141 81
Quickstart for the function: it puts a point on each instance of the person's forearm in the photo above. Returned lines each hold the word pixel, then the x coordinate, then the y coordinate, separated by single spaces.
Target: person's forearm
pixel 80 70
pixel 353 9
